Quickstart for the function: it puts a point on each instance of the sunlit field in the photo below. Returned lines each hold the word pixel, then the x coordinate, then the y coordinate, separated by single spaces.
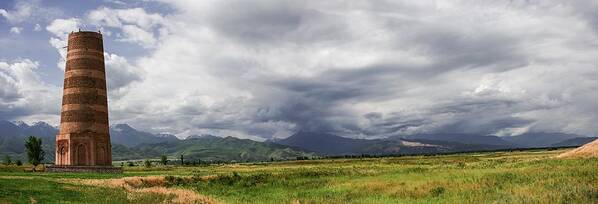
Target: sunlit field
pixel 499 177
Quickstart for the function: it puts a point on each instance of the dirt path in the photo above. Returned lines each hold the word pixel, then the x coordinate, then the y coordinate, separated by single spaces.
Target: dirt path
pixel 137 186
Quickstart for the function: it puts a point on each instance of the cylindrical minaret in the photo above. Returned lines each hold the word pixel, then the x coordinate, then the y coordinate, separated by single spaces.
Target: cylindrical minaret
pixel 84 139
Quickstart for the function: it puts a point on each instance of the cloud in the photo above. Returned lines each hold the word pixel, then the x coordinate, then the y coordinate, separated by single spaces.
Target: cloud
pixel 367 69
pixel 29 10
pixel 61 28
pixel 23 95
pixel 137 35
pixel 120 73
pixel 137 26
pixel 262 69
pixel 16 30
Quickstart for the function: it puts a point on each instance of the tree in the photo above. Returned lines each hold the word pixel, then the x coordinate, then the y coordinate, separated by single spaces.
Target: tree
pixel 7 160
pixel 148 164
pixel 35 153
pixel 182 161
pixel 163 159
pixel 19 163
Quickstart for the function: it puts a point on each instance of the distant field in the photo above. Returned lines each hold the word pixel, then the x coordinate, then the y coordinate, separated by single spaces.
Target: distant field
pixel 499 177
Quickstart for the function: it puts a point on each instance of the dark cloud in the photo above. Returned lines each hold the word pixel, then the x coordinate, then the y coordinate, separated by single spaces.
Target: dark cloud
pixel 262 69
pixel 272 23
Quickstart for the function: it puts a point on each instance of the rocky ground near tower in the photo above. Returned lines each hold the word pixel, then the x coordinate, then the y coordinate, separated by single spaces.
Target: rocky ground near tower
pixel 504 177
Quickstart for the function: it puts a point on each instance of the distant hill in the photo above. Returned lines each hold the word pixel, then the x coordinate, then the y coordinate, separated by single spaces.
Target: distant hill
pixel 126 135
pixel 467 139
pixel 325 143
pixel 129 143
pixel 335 145
pixel 578 141
pixel 540 139
pixel 212 148
pixel 13 135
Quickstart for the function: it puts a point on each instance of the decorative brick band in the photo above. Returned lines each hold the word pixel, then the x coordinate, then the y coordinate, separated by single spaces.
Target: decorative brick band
pixel 85 63
pixel 84 98
pixel 99 108
pixel 71 130
pixel 86 51
pixel 79 55
pixel 86 116
pixel 79 90
pixel 85 72
pixel 84 82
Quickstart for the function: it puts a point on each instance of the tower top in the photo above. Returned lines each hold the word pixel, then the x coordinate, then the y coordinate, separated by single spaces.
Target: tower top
pixel 85 33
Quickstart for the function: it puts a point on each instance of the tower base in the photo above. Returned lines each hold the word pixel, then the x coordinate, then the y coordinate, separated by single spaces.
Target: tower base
pixel 84 169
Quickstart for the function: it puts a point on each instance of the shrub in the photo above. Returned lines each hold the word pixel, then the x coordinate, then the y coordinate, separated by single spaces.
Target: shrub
pixel 19 163
pixel 174 181
pixel 147 164
pixel 435 192
pixel 7 160
pixel 163 160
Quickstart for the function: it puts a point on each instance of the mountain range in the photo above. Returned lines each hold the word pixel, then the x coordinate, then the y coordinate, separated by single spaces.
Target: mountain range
pixel 129 143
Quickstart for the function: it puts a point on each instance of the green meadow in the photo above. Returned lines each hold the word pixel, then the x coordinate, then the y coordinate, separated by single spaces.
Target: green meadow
pixel 493 177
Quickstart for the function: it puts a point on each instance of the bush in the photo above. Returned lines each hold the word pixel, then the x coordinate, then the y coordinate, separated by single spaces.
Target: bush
pixel 147 164
pixel 435 192
pixel 174 181
pixel 19 163
pixel 7 160
pixel 163 160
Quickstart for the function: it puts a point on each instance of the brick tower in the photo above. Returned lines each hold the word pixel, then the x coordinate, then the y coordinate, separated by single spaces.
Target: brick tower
pixel 83 142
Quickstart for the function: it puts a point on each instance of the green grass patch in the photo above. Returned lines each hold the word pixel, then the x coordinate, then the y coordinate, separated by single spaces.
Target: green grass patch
pixel 493 177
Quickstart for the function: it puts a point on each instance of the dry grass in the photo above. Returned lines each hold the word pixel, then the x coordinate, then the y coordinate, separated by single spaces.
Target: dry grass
pixel 137 186
pixel 588 150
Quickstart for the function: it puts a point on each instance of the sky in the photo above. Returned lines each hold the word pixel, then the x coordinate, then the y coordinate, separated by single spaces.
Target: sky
pixel 263 69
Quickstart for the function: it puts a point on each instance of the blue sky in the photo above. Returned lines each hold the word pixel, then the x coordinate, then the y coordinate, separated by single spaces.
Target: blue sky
pixel 263 69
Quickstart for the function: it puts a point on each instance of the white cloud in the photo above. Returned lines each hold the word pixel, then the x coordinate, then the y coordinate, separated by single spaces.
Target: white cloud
pixel 23 95
pixel 16 30
pixel 37 27
pixel 120 73
pixel 29 10
pixel 61 28
pixel 136 24
pixel 137 35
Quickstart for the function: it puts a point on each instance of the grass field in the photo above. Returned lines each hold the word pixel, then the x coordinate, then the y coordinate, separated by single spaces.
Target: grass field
pixel 500 177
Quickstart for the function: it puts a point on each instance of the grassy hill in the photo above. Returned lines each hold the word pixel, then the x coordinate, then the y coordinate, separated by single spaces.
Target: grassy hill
pixel 210 148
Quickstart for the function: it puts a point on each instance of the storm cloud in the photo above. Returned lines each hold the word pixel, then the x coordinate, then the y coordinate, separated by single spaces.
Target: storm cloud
pixel 367 69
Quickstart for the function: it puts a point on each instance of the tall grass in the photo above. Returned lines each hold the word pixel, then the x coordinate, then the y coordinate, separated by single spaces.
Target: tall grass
pixel 492 177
